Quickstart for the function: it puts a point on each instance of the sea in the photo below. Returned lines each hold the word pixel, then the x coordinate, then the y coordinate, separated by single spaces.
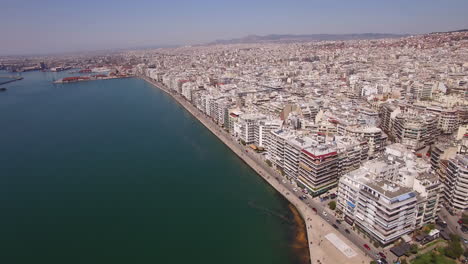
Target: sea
pixel 115 171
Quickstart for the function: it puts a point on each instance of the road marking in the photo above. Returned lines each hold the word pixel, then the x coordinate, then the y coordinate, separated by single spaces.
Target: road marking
pixel 342 246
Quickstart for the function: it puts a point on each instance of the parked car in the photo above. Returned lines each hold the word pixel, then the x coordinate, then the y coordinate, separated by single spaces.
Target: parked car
pixel 366 246
pixel 347 231
pixel 464 229
pixel 441 223
pixel 338 221
pixel 382 255
pixel 315 210
pixel 324 213
pixel 335 226
pixel 333 196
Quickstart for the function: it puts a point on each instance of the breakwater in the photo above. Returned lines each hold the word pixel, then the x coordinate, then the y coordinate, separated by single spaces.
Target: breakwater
pixel 9 79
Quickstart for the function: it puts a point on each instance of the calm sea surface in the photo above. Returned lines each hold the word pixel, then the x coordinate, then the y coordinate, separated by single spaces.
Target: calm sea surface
pixel 115 171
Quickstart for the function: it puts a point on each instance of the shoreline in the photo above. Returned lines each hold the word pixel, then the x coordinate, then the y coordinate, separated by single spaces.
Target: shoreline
pixel 91 79
pixel 190 108
pixel 320 249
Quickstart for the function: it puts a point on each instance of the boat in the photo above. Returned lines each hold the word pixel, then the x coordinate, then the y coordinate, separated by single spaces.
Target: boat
pixel 3 89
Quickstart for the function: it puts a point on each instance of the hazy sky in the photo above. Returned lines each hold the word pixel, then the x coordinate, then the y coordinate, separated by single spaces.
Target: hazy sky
pixel 46 26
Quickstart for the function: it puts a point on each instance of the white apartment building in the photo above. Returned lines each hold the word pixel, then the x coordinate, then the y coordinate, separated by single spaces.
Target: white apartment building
pixel 248 123
pixel 391 196
pixel 455 178
pixel 264 127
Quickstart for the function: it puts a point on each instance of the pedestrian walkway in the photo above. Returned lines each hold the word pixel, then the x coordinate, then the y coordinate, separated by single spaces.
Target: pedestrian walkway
pixel 317 228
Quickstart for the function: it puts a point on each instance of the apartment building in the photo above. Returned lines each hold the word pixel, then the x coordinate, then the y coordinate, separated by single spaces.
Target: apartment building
pixel 248 126
pixel 318 168
pixel 454 175
pixel 390 196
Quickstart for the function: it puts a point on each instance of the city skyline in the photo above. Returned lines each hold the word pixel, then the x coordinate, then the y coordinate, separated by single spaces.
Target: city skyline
pixel 289 140
pixel 48 27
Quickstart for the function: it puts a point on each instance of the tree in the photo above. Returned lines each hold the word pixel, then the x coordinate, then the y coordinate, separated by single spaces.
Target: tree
pixel 332 205
pixel 465 219
pixel 373 262
pixel 403 261
pixel 376 244
pixel 242 142
pixel 281 171
pixel 268 162
pixel 454 249
pixel 414 249
pixel 428 228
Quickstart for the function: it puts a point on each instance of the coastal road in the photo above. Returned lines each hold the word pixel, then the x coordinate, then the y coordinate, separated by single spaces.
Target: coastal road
pixel 321 250
pixel 452 224
pixel 331 218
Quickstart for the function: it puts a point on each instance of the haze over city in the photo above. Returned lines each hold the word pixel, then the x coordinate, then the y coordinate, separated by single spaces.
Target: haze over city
pixel 39 27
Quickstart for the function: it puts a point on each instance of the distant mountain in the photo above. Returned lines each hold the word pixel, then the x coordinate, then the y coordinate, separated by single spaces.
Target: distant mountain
pixel 453 31
pixel 309 37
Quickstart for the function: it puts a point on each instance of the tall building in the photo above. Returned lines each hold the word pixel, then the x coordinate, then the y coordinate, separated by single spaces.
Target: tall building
pixel 248 125
pixel 415 131
pixel 318 168
pixel 455 178
pixel 390 196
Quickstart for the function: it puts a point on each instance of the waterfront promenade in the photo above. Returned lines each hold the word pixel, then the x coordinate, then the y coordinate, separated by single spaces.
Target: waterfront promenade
pixel 321 249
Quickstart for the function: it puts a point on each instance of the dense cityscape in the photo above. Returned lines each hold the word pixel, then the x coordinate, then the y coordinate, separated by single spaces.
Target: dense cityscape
pixel 367 138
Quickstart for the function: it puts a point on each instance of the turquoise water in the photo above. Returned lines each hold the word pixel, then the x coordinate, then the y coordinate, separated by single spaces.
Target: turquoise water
pixel 115 171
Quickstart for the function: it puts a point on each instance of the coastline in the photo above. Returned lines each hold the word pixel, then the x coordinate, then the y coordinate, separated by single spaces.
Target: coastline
pixel 230 144
pixel 320 250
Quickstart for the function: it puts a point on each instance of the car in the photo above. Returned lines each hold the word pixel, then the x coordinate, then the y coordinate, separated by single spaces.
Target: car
pixel 465 241
pixel 338 221
pixel 335 226
pixel 295 189
pixel 315 210
pixel 464 229
pixel 284 181
pixel 347 231
pixel 324 213
pixel 460 222
pixel 332 196
pixel 383 261
pixel 442 224
pixel 366 246
pixel 382 255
